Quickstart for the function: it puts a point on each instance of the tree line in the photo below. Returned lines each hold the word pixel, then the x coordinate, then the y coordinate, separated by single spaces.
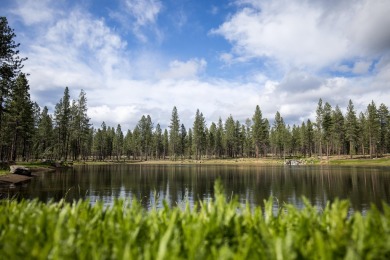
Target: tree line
pixel 28 132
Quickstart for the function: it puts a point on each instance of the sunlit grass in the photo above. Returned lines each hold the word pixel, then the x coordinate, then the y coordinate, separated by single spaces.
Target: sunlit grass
pixel 212 230
pixel 363 162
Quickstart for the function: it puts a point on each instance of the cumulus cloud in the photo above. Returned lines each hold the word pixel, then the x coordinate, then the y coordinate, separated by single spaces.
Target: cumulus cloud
pixel 187 69
pixel 307 34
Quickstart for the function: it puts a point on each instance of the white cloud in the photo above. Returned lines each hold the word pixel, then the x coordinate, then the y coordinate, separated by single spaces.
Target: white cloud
pixel 307 34
pixel 189 69
pixel 144 11
pixel 33 12
pixel 138 15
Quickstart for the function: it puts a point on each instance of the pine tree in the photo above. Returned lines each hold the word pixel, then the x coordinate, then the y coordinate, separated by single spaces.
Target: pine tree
pixel 309 137
pixel 384 117
pixel 279 134
pixel 128 144
pixel 303 139
pixel 237 139
pixel 165 143
pixel 189 143
pixel 295 139
pixel 363 132
pixel 258 130
pixel 230 136
pixel 338 131
pixel 20 118
pixel 118 142
pixel 158 141
pixel 351 128
pixel 44 143
pixel 219 139
pixel 82 125
pixel 373 128
pixel 212 139
pixel 145 126
pixel 137 142
pixel 198 132
pixel 10 67
pixel 248 138
pixel 327 125
pixel 319 122
pixel 183 140
pixel 174 134
pixel 62 116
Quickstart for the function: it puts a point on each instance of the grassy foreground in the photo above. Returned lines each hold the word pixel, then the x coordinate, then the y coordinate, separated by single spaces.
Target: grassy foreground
pixel 214 230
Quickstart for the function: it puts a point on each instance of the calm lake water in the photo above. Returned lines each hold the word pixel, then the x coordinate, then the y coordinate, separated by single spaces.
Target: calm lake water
pixel 150 184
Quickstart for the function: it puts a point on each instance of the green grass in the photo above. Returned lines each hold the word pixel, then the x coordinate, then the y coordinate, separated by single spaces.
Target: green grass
pixel 213 230
pixel 362 162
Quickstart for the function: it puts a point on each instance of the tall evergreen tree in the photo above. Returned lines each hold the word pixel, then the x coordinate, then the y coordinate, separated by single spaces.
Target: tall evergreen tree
pixel 183 140
pixel 79 127
pixel 279 131
pixel 10 67
pixel 128 144
pixel 198 132
pixel 327 125
pixel 44 143
pixel 310 136
pixel 118 142
pixel 338 131
pixel 363 132
pixel 373 128
pixel 384 119
pixel 248 138
pixel 146 132
pixel 20 118
pixel 174 134
pixel 258 130
pixel 189 143
pixel 212 139
pixel 158 141
pixel 165 143
pixel 319 122
pixel 61 121
pixel 219 143
pixel 351 128
pixel 295 139
pixel 230 136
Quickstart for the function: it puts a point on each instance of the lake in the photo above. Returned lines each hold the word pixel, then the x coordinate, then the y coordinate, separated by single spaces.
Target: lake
pixel 150 184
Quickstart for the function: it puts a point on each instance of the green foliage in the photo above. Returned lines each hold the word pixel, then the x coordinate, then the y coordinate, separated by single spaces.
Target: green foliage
pixel 174 134
pixel 211 230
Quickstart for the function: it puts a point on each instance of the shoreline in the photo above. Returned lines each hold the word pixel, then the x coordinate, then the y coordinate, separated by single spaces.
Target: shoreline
pixel 335 160
pixel 36 167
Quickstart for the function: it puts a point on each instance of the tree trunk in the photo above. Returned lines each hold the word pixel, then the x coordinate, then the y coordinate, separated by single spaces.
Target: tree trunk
pixel 350 149
pixel 370 147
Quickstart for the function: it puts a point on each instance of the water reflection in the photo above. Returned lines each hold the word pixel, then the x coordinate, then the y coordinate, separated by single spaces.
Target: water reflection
pixel 151 183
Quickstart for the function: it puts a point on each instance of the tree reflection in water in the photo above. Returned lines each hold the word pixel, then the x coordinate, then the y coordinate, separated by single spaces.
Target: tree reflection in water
pixel 150 184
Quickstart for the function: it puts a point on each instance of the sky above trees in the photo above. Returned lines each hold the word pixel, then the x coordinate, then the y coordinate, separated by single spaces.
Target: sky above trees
pixel 138 57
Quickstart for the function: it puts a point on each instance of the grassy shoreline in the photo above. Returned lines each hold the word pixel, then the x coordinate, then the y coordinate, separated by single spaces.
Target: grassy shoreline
pixel 333 160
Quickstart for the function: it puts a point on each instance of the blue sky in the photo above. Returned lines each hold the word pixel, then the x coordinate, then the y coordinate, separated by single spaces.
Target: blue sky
pixel 135 57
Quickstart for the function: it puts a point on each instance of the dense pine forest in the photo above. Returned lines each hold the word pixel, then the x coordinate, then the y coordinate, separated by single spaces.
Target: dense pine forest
pixel 29 132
